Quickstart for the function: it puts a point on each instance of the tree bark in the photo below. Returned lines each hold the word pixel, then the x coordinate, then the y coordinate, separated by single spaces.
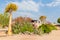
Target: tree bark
pixel 9 28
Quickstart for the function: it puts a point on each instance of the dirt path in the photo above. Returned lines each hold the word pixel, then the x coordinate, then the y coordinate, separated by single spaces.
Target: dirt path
pixel 54 35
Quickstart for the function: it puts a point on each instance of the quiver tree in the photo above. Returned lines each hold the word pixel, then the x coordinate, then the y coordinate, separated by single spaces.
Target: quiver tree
pixel 9 9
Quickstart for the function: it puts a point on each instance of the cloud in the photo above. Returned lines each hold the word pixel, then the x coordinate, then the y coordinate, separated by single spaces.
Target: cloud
pixel 23 14
pixel 50 4
pixel 54 3
pixel 57 0
pixel 41 4
pixel 28 5
pixel 57 3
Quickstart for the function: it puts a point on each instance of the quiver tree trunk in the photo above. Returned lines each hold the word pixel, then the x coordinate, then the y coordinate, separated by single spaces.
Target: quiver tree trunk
pixel 10 28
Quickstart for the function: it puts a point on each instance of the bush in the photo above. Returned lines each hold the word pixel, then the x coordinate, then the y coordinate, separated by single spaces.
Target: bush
pixel 46 28
pixel 4 19
pixel 25 27
pixel 58 20
pixel 16 28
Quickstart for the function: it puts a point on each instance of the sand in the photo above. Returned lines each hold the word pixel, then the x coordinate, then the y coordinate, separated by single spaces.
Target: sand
pixel 54 35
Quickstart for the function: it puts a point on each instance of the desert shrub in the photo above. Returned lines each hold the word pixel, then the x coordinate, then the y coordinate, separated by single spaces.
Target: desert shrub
pixel 58 20
pixel 46 28
pixel 25 27
pixel 16 28
pixel 4 19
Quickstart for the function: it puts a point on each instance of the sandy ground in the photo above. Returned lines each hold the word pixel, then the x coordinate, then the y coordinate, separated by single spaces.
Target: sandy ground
pixel 54 35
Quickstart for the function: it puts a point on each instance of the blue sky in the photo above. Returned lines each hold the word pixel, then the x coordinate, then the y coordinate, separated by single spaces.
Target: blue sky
pixel 34 8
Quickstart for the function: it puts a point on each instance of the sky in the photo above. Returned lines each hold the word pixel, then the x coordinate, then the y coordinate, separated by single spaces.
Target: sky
pixel 34 8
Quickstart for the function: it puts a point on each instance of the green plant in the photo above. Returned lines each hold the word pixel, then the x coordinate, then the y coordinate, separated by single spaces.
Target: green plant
pixel 58 20
pixel 4 19
pixel 16 28
pixel 46 28
pixel 25 27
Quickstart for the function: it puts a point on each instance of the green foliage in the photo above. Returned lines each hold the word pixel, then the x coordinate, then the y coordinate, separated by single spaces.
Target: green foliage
pixel 16 28
pixel 46 28
pixel 58 20
pixel 11 7
pixel 25 27
pixel 4 19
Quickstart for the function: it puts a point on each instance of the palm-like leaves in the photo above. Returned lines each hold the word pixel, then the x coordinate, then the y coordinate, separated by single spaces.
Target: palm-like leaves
pixel 43 19
pixel 11 7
